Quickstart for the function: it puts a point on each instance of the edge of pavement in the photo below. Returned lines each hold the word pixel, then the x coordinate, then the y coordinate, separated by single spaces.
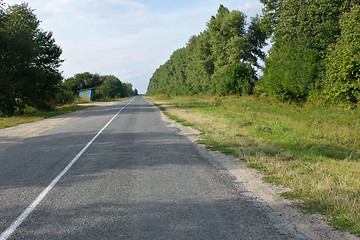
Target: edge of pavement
pixel 282 211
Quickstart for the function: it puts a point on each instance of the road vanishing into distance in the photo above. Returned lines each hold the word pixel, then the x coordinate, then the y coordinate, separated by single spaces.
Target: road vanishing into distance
pixel 120 172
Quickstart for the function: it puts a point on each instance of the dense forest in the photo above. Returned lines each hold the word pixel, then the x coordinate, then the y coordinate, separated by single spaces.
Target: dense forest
pixel 29 67
pixel 315 55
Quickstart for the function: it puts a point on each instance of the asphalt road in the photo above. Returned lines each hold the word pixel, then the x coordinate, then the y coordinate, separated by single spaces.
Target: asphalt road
pixel 138 179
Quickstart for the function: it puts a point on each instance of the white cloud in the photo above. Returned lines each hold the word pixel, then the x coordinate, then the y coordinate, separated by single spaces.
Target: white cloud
pixel 251 8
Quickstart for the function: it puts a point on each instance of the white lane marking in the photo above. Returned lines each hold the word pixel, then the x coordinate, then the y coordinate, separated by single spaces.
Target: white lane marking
pixel 6 234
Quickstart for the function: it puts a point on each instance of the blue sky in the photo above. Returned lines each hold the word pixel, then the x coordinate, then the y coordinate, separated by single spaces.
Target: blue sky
pixel 127 38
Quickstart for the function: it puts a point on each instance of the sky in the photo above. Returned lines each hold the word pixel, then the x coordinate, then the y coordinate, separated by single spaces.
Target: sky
pixel 126 38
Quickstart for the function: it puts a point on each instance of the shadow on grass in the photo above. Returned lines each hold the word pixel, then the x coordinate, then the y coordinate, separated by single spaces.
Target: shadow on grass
pixel 312 150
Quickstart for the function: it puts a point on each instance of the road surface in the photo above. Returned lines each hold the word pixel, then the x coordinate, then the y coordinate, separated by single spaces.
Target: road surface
pixel 135 178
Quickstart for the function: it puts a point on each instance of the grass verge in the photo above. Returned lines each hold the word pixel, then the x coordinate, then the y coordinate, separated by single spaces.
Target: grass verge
pixel 314 152
pixel 33 115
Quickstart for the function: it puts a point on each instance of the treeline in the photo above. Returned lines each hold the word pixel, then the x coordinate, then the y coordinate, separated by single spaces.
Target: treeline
pixel 106 87
pixel 315 56
pixel 220 60
pixel 316 51
pixel 29 67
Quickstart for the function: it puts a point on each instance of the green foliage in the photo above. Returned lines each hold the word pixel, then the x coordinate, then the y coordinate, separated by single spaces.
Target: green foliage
pixel 82 81
pixel 291 72
pixel 227 30
pixel 342 82
pixel 127 90
pixel 240 79
pixel 107 86
pixel 271 12
pixel 302 33
pixel 29 61
pixel 111 87
pixel 170 78
pixel 256 39
pixel 202 67
pixel 64 96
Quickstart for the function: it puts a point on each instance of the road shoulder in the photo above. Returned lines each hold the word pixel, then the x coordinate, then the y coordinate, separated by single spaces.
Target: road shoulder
pixel 283 211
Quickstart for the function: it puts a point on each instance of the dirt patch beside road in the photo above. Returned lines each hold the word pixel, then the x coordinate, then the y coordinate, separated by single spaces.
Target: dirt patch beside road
pixel 27 130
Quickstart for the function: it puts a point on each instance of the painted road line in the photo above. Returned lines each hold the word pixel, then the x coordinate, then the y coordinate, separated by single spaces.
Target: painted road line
pixel 7 233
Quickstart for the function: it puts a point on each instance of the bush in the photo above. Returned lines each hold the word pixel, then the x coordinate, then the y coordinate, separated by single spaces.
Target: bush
pixel 239 79
pixel 64 96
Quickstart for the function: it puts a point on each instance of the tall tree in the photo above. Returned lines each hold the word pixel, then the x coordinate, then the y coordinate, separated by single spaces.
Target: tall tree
pixel 170 78
pixel 82 81
pixel 271 13
pixel 342 81
pixel 233 43
pixel 178 82
pixel 29 61
pixel 219 58
pixel 304 29
pixel 111 87
pixel 200 65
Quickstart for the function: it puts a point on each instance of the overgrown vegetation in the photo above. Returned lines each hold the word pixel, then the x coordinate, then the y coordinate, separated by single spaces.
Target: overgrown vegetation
pixel 314 152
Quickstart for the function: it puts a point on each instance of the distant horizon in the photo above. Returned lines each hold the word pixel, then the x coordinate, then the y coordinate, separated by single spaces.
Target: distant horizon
pixel 127 39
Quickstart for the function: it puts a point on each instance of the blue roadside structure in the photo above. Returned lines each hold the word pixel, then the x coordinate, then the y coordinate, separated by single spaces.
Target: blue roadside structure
pixel 86 94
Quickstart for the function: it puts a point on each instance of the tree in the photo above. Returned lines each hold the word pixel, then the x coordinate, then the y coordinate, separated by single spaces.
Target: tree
pixel 82 81
pixel 106 86
pixel 128 90
pixel 203 66
pixel 178 63
pixel 271 15
pixel 290 72
pixel 170 78
pixel 29 61
pixel 240 79
pixel 342 81
pixel 200 64
pixel 227 30
pixel 255 41
pixel 303 31
pixel 232 43
pixel 111 87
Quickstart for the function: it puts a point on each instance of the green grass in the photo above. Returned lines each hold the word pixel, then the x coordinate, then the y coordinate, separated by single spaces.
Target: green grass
pixel 314 152
pixel 33 115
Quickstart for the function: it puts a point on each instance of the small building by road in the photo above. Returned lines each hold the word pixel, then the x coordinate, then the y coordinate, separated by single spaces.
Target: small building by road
pixel 86 94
